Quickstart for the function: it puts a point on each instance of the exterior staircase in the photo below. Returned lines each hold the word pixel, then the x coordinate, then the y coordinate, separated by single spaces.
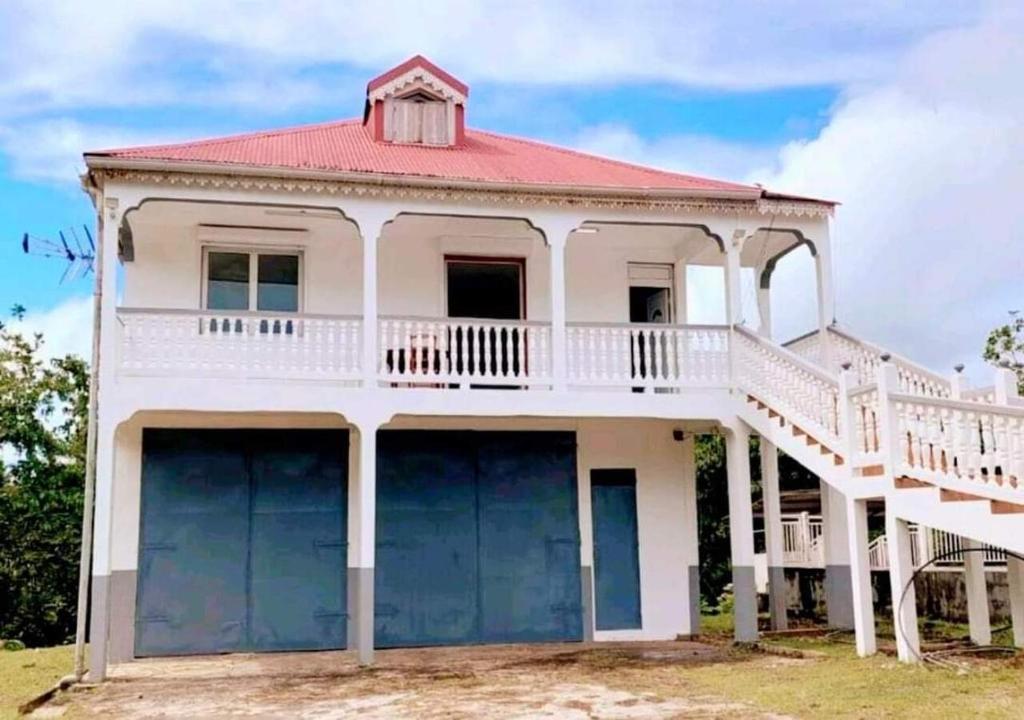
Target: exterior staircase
pixel 872 424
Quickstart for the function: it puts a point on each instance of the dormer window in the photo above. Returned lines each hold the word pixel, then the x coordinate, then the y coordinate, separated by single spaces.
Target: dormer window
pixel 416 103
pixel 417 118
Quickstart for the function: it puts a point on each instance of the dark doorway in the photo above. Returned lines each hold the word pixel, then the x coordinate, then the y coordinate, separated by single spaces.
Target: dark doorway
pixel 492 289
pixel 486 288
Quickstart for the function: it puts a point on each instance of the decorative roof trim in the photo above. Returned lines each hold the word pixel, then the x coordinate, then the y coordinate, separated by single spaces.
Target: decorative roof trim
pixel 417 74
pixel 455 193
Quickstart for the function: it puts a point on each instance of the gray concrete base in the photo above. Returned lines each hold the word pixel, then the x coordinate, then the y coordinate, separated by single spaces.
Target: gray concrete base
pixel 361 612
pixel 693 575
pixel 839 596
pixel 744 590
pixel 587 600
pixel 123 588
pixel 98 628
pixel 350 607
pixel 777 588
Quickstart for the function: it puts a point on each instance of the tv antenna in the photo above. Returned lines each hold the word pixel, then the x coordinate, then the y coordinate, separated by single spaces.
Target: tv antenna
pixel 78 254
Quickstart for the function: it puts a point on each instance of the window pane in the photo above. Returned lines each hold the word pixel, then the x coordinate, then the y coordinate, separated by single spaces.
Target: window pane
pixel 278 287
pixel 227 286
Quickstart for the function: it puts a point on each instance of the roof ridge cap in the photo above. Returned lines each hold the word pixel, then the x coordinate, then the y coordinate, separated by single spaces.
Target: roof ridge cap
pixel 609 160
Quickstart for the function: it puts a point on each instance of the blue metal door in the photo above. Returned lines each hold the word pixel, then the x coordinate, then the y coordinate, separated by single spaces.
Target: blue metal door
pixel 616 551
pixel 477 538
pixel 242 542
pixel 426 564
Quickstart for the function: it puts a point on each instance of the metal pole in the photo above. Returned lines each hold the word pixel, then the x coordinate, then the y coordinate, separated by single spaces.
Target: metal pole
pixel 90 455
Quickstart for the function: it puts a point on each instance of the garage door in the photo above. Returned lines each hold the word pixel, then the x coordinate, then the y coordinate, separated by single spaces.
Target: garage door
pixel 477 538
pixel 243 541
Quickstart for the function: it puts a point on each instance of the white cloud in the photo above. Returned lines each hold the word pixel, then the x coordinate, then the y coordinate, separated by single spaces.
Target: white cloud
pixel 695 154
pixel 929 167
pixel 66 328
pixel 61 54
pixel 51 150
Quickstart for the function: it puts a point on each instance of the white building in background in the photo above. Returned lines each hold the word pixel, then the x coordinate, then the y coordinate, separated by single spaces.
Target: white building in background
pixel 392 381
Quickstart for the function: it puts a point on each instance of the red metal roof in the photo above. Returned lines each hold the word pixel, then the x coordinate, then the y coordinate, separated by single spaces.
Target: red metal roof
pixel 421 62
pixel 347 146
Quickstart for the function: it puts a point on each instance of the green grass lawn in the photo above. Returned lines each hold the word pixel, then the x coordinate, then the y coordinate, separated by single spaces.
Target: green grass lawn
pixel 26 673
pixel 834 683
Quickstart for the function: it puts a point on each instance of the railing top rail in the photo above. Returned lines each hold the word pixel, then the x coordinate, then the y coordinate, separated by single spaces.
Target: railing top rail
pixel 790 356
pixel 895 357
pixel 865 389
pixel 182 312
pixel 464 320
pixel 648 326
pixel 981 408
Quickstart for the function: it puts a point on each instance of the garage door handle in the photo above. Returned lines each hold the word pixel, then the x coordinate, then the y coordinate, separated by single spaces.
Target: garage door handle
pixel 562 541
pixel 324 614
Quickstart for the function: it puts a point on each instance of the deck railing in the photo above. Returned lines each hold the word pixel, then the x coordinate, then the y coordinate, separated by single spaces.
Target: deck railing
pixel 239 344
pixel 446 352
pixel 633 355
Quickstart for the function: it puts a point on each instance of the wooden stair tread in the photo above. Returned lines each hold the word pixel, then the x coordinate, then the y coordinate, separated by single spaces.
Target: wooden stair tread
pixel 872 471
pixel 906 483
pixel 957 496
pixel 1003 507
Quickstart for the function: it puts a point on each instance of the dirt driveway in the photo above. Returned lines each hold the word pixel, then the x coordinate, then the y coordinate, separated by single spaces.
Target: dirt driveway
pixel 627 681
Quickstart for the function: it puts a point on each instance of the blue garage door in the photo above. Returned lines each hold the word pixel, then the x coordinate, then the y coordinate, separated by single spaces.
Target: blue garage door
pixel 616 549
pixel 243 541
pixel 477 538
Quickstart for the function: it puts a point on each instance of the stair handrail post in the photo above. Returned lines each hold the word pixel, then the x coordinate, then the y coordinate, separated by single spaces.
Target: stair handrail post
pixel 847 416
pixel 1006 388
pixel 889 444
pixel 957 383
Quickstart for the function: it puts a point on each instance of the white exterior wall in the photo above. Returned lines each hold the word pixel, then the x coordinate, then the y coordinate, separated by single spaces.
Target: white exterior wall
pixel 167 271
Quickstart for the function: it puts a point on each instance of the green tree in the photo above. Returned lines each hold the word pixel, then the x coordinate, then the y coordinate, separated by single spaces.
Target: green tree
pixel 1005 347
pixel 43 406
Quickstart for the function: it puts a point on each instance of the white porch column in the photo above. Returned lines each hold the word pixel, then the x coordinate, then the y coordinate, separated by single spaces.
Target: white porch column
pixel 901 569
pixel 860 576
pixel 363 536
pixel 371 222
pixel 764 302
pixel 733 280
pixel 691 548
pixel 106 424
pixel 826 295
pixel 835 532
pixel 1015 583
pixel 978 618
pixel 773 534
pixel 741 533
pixel 556 232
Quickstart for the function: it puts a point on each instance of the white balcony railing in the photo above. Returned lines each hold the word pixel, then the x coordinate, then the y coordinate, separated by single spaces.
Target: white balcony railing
pixel 647 355
pixel 239 344
pixel 446 352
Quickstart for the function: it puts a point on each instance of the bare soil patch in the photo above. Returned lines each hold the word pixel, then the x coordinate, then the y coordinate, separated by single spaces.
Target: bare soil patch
pixel 645 681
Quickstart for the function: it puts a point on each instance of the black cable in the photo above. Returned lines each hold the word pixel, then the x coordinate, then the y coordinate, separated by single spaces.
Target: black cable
pixel 898 608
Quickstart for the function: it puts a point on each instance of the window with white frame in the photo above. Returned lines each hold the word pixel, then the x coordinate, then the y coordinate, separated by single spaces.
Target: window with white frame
pixel 258 280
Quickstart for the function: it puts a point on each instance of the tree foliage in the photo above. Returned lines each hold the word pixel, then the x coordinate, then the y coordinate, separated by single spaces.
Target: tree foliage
pixel 43 406
pixel 1005 347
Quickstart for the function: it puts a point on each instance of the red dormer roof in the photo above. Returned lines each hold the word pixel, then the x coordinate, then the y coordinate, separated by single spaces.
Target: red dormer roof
pixel 417 61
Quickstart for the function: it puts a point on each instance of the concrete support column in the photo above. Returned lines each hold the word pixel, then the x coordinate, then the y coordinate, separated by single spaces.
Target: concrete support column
pixel 362 520
pixel 559 347
pixel 371 222
pixel 978 618
pixel 692 545
pixel 99 628
pixel 901 569
pixel 773 534
pixel 838 592
pixel 861 593
pixel 741 534
pixel 586 523
pixel 826 295
pixel 1015 582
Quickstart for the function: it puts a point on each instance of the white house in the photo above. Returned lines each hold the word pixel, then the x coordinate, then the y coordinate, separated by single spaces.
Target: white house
pixel 392 381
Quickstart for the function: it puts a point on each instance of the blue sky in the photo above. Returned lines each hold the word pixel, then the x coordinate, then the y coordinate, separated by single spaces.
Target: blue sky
pixel 884 107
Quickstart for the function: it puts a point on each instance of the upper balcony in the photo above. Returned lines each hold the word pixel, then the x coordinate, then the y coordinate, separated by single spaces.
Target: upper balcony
pixel 230 290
